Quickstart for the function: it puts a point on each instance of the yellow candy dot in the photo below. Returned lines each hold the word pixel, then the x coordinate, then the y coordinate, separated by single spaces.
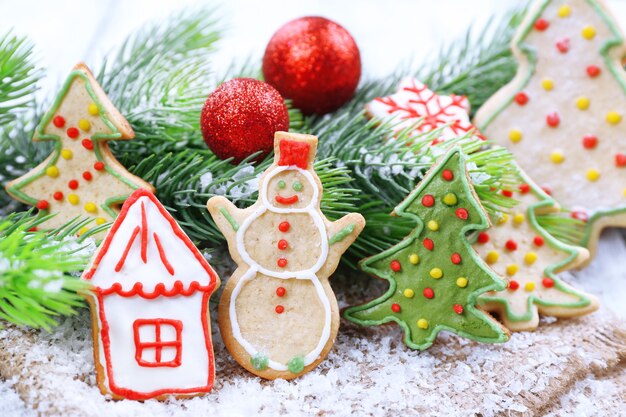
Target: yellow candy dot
pixel 461 282
pixel 449 199
pixel 529 286
pixel 530 258
pixel 589 32
pixel 492 257
pixel 547 84
pixel 433 225
pixel 564 11
pixel 503 218
pixel 624 192
pixel 512 269
pixel 91 207
pixel 436 273
pixel 582 103
pixel 518 218
pixel 100 220
pixel 93 109
pixel 83 230
pixel 515 135
pixel 613 117
pixel 73 199
pixel 422 324
pixel 408 293
pixel 593 175
pixel 414 258
pixel 52 171
pixel 557 157
pixel 67 154
pixel 84 125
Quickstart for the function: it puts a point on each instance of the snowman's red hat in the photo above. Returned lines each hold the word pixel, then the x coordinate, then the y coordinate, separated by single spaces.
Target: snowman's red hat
pixel 294 149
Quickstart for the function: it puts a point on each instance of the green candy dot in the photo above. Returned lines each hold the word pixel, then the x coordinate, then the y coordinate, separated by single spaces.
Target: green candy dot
pixel 281 184
pixel 296 365
pixel 297 186
pixel 259 362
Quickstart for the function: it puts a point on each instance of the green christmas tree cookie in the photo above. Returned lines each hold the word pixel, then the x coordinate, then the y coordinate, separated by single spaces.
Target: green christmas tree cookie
pixel 435 277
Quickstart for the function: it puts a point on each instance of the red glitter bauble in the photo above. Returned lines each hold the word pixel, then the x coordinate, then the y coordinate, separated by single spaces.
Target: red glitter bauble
pixel 240 117
pixel 315 62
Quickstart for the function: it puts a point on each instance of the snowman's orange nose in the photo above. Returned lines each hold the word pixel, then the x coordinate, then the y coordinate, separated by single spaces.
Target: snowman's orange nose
pixel 287 200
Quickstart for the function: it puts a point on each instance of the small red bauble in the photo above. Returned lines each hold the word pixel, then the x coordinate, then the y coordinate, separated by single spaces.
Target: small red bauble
pixel 553 119
pixel 447 175
pixel 590 141
pixel 513 285
pixel 593 71
pixel 483 238
pixel 429 293
pixel 548 282
pixel 240 118
pixel 395 308
pixel 524 188
pixel 315 62
pixel 541 24
pixel 455 258
pixel 395 266
pixel 428 200
pixel 521 98
pixel 458 308
pixel 620 160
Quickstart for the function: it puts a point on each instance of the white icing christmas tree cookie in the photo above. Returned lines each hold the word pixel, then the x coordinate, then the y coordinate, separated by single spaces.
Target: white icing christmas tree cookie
pixel 278 315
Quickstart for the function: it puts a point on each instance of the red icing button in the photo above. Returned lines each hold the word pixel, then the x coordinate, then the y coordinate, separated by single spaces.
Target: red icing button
pixel 548 282
pixel 429 244
pixel 72 132
pixel 458 308
pixel 513 285
pixel 521 98
pixel 395 265
pixel 87 175
pixel 483 237
pixel 282 244
pixel 429 293
pixel 590 141
pixel 507 193
pixel 455 258
pixel 553 119
pixel 620 160
pixel 279 309
pixel 524 188
pixel 395 308
pixel 541 24
pixel 73 184
pixel 538 241
pixel 462 213
pixel 98 166
pixel 511 245
pixel 593 71
pixel 563 45
pixel 280 291
pixel 282 262
pixel 42 204
pixel 87 144
pixel 58 121
pixel 284 226
pixel 447 175
pixel 428 200
pixel 58 196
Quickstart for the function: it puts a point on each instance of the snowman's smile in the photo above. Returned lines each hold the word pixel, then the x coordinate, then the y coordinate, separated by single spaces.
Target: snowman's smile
pixel 287 200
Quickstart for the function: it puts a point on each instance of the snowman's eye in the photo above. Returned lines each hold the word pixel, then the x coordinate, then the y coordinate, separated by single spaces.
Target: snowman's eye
pixel 297 186
pixel 281 184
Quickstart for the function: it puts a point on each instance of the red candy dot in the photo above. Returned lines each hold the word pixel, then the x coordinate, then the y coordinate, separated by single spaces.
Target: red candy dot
pixel 563 45
pixel 580 215
pixel 524 188
pixel 429 244
pixel 507 193
pixel 462 213
pixel 428 200
pixel 513 285
pixel 73 184
pixel 590 141
pixel 620 160
pixel 72 132
pixel 284 226
pixel 547 190
pixel 483 238
pixel 58 196
pixel 447 175
pixel 282 262
pixel 458 308
pixel 98 166
pixel 548 282
pixel 395 308
pixel 511 245
pixel 42 204
pixel 429 293
pixel 455 258
pixel 593 71
pixel 521 98
pixel 538 241
pixel 58 121
pixel 395 266
pixel 282 244
pixel 280 291
pixel 553 119
pixel 541 24
pixel 87 175
pixel 87 144
pixel 279 309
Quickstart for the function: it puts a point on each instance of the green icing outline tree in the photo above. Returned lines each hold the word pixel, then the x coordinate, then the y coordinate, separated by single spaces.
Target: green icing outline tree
pixel 415 294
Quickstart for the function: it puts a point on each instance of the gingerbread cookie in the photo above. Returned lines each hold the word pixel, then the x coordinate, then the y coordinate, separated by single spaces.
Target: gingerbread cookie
pixel 520 249
pixel 414 105
pixel 435 277
pixel 150 306
pixel 562 115
pixel 81 178
pixel 278 315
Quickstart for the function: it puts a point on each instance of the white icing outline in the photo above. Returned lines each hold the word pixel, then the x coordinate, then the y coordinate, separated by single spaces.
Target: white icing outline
pixel 309 273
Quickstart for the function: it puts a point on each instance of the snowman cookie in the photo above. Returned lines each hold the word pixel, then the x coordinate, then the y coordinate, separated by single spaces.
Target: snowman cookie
pixel 278 315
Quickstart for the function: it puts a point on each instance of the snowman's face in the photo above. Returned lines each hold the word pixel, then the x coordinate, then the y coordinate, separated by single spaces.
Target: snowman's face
pixel 289 189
